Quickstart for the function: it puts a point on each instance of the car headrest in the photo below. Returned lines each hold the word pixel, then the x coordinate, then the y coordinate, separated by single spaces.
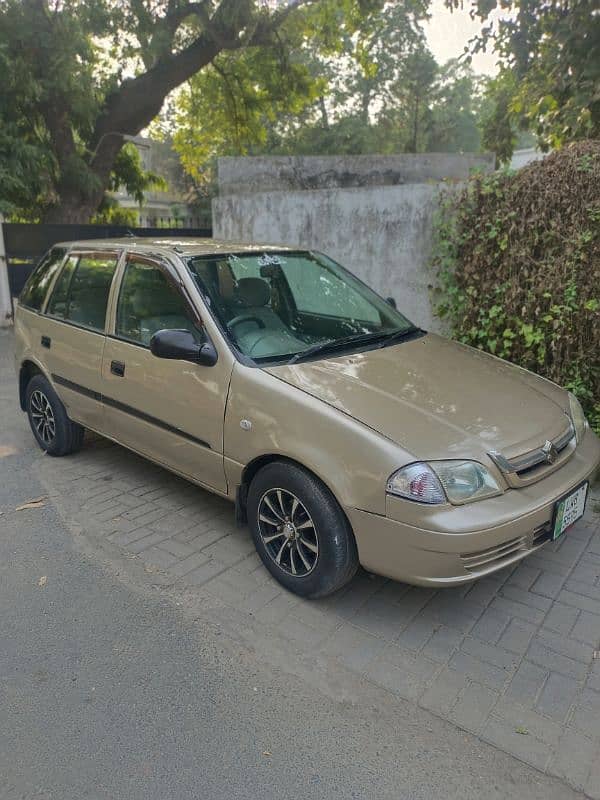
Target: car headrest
pixel 253 291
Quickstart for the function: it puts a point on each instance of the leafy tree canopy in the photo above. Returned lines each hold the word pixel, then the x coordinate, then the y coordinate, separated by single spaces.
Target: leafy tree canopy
pixel 549 81
pixel 80 75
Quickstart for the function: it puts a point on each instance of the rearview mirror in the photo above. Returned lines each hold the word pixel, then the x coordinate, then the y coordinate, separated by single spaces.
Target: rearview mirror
pixel 181 345
pixel 391 301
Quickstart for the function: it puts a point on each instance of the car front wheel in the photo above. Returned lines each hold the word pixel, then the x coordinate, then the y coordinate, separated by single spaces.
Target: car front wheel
pixel 300 531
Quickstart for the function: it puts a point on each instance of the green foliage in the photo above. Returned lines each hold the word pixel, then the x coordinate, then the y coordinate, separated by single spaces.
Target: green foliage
pixel 111 213
pixel 365 84
pixel 518 260
pixel 549 51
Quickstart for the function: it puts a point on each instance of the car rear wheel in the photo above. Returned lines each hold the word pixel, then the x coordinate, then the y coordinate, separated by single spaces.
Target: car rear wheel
pixel 300 531
pixel 53 430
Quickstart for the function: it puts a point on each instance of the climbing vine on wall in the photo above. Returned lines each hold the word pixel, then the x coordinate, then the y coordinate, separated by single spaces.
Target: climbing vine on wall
pixel 518 261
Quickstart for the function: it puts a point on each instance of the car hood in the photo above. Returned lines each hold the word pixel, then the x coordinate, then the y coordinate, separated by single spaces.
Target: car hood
pixel 437 398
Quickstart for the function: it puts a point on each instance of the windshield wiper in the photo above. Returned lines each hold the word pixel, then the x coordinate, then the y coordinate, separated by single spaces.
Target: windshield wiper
pixel 331 345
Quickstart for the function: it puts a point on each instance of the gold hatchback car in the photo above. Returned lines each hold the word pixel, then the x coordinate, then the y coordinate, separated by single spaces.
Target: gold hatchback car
pixel 272 376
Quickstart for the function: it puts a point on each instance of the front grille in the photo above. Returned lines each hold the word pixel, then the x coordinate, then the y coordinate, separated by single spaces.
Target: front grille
pixel 528 467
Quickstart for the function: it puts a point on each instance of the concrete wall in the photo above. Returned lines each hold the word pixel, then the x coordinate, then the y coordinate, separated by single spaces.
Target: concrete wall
pixel 373 214
pixel 287 173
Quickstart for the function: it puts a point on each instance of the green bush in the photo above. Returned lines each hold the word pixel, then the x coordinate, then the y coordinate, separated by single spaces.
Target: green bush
pixel 518 261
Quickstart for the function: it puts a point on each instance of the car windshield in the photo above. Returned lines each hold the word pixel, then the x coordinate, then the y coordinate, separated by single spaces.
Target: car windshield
pixel 284 305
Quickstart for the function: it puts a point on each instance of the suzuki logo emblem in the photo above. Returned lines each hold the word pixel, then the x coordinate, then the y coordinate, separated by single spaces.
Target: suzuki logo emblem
pixel 550 452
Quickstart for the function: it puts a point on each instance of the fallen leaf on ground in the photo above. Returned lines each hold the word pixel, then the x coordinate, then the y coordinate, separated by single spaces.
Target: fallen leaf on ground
pixel 522 731
pixel 37 503
pixel 42 581
pixel 7 450
pixel 267 753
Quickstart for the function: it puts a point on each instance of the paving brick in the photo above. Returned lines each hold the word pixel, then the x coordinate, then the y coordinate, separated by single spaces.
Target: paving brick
pixel 539 726
pixel 579 601
pixel 473 707
pixel 410 662
pixel 202 540
pixel 443 643
pixel 586 572
pixel 592 786
pixel 523 576
pixel 586 715
pixel 171 523
pixel 146 541
pixel 226 550
pixel 459 615
pixel 586 589
pixel 146 518
pixel 176 548
pixel 277 610
pixel 485 590
pixel 261 596
pixel 312 615
pixel 526 683
pixel 574 755
pixel 519 610
pixel 561 618
pixel 300 633
pixel 548 584
pixel 593 680
pixel 443 693
pixel 158 558
pixel 417 633
pixel 407 685
pixel 543 656
pixel 491 625
pixel 528 748
pixel 557 696
pixel 530 599
pixel 187 565
pixel 517 636
pixel 565 646
pixel 479 671
pixel 492 654
pixel 205 572
pixel 353 647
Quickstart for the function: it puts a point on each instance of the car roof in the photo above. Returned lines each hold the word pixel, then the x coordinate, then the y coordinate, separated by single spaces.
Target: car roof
pixel 186 246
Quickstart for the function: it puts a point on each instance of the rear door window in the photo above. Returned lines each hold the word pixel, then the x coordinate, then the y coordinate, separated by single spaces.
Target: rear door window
pixel 81 292
pixel 36 288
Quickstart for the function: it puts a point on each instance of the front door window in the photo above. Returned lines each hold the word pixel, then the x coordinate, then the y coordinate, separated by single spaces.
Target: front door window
pixel 148 303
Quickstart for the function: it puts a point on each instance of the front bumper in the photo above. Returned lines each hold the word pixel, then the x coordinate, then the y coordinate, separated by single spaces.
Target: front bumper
pixel 468 541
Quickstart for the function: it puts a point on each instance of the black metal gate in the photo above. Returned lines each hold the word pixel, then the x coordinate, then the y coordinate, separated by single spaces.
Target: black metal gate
pixel 26 243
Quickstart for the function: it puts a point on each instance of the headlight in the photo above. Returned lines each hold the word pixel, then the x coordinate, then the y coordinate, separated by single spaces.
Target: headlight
pixel 457 481
pixel 578 419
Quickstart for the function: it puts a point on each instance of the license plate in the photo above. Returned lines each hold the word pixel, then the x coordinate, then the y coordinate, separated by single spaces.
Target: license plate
pixel 569 510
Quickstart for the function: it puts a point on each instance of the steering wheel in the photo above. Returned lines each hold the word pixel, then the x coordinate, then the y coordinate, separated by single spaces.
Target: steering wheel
pixel 245 318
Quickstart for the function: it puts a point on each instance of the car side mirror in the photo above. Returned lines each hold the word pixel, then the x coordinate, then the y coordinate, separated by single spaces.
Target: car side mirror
pixel 181 345
pixel 391 301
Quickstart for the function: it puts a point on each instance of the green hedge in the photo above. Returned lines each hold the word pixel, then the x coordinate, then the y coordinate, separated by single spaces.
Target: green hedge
pixel 518 261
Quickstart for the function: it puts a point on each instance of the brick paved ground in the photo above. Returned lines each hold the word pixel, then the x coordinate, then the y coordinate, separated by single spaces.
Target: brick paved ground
pixel 514 659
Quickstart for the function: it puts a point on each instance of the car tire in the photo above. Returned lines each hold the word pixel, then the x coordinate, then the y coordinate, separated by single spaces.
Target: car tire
pixel 299 530
pixel 54 432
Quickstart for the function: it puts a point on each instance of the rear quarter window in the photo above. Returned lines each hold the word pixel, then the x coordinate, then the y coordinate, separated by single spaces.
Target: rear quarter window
pixel 35 290
pixel 81 292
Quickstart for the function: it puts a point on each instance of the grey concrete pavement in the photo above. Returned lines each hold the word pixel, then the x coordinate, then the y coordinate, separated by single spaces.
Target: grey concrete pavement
pixel 158 658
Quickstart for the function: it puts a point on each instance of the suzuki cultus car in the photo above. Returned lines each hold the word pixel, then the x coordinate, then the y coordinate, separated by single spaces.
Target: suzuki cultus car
pixel 272 376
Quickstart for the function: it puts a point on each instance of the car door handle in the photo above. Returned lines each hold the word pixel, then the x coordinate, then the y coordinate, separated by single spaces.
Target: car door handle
pixel 46 341
pixel 117 368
